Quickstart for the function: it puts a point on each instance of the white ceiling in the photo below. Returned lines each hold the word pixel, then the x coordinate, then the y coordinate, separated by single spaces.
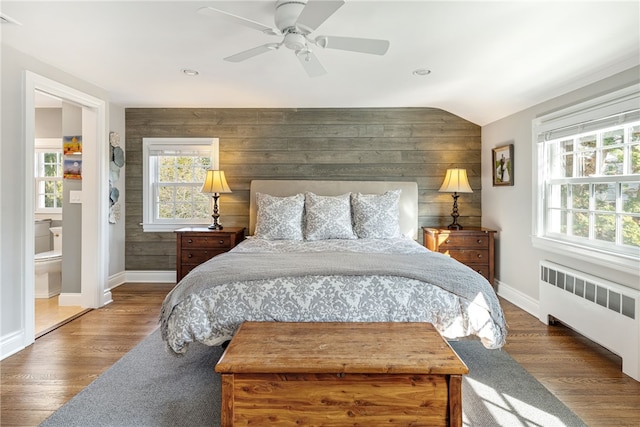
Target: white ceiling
pixel 488 59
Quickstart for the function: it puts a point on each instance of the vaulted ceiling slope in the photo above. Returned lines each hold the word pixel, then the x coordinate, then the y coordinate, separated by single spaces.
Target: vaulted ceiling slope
pixel 487 59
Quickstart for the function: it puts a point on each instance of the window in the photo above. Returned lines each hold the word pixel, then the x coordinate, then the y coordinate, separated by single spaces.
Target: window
pixel 48 175
pixel 588 187
pixel 173 172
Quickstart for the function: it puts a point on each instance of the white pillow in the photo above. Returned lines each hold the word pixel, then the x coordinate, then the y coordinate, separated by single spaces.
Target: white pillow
pixel 328 217
pixel 376 216
pixel 279 218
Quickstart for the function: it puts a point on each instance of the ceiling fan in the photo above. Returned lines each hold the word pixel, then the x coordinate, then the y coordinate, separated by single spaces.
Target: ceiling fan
pixel 295 20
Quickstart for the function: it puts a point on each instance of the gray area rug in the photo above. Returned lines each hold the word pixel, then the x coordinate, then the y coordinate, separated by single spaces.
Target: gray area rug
pixel 149 387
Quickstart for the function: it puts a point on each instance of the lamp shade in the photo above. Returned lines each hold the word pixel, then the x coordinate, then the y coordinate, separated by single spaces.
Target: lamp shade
pixel 456 182
pixel 215 182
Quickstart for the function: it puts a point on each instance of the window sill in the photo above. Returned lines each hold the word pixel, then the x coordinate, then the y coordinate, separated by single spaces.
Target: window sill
pixel 622 262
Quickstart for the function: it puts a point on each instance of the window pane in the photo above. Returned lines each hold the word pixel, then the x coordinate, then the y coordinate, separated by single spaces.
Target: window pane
pixel 166 170
pixel 605 227
pixel 631 230
pixel 605 197
pixel 634 163
pixel 587 155
pixel 580 224
pixel 612 161
pixel 580 196
pixel 165 194
pixel 631 197
pixel 613 137
pixel 183 210
pixel 183 194
pixel 165 210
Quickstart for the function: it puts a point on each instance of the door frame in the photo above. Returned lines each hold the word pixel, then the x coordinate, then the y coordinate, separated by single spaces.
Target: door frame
pixel 94 229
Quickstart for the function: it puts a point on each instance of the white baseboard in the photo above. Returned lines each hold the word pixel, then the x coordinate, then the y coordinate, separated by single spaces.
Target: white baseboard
pixel 11 344
pixel 66 299
pixel 144 276
pixel 518 298
pixel 117 279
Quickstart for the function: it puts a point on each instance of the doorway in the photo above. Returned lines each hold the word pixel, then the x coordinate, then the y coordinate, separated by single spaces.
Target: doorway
pixel 94 211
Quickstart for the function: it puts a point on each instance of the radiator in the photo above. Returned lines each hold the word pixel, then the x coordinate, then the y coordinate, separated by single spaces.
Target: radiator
pixel 605 312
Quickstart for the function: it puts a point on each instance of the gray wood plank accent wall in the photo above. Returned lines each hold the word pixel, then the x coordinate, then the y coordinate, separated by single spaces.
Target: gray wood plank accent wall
pixel 392 144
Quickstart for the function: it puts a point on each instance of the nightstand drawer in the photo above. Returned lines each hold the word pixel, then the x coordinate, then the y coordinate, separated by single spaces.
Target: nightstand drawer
pixel 198 256
pixel 468 241
pixel 467 255
pixel 196 245
pixel 222 242
pixel 471 246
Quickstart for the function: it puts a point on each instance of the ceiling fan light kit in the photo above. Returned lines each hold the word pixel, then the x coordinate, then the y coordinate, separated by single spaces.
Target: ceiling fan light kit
pixel 295 20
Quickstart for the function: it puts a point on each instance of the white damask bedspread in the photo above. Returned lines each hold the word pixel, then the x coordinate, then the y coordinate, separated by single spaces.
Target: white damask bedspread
pixel 396 280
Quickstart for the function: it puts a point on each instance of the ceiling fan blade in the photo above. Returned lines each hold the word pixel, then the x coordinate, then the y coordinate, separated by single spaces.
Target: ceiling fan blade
pixel 316 12
pixel 217 13
pixel 353 44
pixel 239 57
pixel 310 63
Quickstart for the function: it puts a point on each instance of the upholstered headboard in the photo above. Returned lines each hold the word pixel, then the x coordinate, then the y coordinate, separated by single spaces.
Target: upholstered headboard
pixel 408 197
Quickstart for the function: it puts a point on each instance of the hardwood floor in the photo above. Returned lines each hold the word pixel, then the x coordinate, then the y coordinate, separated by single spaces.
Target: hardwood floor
pixel 50 314
pixel 38 380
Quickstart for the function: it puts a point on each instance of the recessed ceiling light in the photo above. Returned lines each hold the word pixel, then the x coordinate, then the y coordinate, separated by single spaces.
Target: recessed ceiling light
pixel 191 73
pixel 421 72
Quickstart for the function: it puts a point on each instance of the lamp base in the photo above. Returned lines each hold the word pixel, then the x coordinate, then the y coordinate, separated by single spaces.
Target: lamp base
pixel 215 225
pixel 454 225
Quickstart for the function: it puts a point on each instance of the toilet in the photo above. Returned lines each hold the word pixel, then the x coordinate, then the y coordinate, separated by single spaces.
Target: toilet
pixel 48 261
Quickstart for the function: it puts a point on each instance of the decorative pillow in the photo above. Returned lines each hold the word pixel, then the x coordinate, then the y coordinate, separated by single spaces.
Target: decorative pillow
pixel 376 216
pixel 279 218
pixel 328 217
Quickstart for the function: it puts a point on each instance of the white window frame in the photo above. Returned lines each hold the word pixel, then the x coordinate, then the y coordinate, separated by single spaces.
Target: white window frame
pixel 615 103
pixel 203 146
pixel 45 145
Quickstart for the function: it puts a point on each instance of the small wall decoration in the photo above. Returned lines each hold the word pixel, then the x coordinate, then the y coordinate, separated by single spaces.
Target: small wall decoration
pixel 72 167
pixel 503 165
pixel 117 162
pixel 72 160
pixel 72 145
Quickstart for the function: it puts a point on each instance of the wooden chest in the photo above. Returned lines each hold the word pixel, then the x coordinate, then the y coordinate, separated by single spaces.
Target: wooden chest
pixel 195 245
pixel 336 374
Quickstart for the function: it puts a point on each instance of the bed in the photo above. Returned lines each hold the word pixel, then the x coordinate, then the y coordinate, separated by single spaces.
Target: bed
pixel 331 251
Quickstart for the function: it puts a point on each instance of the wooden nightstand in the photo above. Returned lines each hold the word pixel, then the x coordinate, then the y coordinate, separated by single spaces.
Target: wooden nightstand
pixel 471 246
pixel 196 245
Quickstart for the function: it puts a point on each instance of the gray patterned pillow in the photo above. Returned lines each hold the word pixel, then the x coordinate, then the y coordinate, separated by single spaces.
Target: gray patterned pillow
pixel 279 218
pixel 376 216
pixel 328 217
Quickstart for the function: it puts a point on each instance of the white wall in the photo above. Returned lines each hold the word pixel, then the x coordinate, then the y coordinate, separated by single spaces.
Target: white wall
pixel 509 209
pixel 12 209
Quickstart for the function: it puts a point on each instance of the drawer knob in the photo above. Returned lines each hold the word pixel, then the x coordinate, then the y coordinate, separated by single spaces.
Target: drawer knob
pixel 447 241
pixel 479 241
pixel 190 240
pixel 479 255
pixel 221 242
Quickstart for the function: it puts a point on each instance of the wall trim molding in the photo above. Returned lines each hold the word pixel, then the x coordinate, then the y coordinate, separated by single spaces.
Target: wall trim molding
pixel 518 298
pixel 150 276
pixel 71 299
pixel 11 344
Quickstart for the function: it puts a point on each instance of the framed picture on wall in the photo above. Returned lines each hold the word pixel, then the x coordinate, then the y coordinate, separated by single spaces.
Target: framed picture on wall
pixel 503 165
